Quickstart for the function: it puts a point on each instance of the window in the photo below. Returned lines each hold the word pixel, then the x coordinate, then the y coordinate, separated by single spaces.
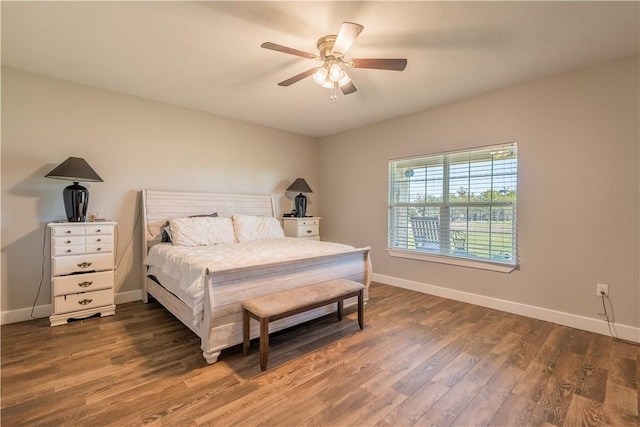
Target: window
pixel 456 207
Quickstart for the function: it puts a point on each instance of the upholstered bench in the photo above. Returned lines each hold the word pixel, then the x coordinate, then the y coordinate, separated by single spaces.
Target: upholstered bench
pixel 283 304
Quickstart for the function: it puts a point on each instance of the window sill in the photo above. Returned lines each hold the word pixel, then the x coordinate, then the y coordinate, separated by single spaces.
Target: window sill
pixel 483 265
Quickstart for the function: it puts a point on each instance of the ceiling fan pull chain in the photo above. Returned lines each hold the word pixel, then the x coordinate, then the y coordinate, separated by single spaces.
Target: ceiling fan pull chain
pixel 334 91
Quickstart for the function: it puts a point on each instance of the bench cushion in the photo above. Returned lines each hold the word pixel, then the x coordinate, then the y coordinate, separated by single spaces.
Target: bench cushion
pixel 291 299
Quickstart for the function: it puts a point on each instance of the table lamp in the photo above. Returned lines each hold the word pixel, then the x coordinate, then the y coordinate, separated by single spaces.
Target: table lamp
pixel 300 186
pixel 76 197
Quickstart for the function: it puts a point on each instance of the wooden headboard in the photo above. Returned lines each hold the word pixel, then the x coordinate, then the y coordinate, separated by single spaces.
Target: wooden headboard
pixel 160 206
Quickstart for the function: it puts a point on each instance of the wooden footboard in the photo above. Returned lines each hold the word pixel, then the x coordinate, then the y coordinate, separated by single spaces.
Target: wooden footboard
pixel 222 322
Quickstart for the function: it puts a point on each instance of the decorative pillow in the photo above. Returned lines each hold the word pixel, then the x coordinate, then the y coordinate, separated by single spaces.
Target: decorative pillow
pixel 249 227
pixel 166 230
pixel 201 231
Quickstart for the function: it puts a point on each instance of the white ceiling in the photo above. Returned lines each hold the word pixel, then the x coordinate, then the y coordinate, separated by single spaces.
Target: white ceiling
pixel 207 56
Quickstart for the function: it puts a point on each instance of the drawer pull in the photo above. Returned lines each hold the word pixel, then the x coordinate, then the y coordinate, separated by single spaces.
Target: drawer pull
pixel 98 240
pixel 309 231
pixel 84 264
pixel 68 231
pixel 68 241
pixel 68 250
pixel 85 284
pixel 98 231
pixel 85 301
pixel 98 249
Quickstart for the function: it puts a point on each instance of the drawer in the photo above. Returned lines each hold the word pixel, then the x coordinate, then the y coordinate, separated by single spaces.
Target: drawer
pixel 82 301
pixel 81 263
pixel 67 250
pixel 98 229
pixel 302 222
pixel 107 238
pixel 67 231
pixel 82 283
pixel 98 247
pixel 68 241
pixel 308 230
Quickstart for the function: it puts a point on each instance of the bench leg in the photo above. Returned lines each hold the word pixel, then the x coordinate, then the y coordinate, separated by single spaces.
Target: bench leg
pixel 246 343
pixel 361 309
pixel 264 344
pixel 340 308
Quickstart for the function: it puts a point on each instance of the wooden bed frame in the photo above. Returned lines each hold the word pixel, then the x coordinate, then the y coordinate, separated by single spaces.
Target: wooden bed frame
pixel 221 325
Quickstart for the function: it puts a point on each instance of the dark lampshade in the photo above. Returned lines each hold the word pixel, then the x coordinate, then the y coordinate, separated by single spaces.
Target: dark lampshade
pixel 74 169
pixel 76 197
pixel 300 186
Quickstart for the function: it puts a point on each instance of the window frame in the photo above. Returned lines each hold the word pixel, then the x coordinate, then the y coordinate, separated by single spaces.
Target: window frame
pixel 443 253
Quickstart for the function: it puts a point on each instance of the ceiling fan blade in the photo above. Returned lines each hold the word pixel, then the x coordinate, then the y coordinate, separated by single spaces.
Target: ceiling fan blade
pixel 348 88
pixel 348 34
pixel 298 77
pixel 379 64
pixel 289 50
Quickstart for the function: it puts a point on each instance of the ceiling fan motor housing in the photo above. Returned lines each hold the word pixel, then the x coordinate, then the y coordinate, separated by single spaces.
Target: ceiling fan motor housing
pixel 325 45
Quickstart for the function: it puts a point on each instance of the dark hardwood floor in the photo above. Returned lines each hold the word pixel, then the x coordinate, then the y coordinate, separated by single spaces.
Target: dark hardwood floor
pixel 421 360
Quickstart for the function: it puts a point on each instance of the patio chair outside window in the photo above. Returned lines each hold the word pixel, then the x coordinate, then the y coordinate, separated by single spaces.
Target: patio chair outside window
pixel 426 233
pixel 459 239
pixel 425 230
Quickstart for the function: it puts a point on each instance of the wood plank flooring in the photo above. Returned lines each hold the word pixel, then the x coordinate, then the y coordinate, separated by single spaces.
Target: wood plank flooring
pixel 421 360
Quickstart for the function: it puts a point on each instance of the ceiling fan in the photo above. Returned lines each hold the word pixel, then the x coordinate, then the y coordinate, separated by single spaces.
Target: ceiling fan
pixel 332 72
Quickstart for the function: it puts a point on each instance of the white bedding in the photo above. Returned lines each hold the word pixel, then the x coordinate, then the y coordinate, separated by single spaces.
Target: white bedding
pixel 186 266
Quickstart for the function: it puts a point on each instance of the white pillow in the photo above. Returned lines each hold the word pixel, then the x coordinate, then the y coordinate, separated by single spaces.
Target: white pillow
pixel 202 231
pixel 249 227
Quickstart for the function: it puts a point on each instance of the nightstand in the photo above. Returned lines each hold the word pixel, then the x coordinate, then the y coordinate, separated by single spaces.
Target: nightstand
pixel 303 228
pixel 82 270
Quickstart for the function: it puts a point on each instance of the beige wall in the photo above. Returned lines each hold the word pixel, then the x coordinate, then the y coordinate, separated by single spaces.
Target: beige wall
pixel 579 205
pixel 578 211
pixel 132 144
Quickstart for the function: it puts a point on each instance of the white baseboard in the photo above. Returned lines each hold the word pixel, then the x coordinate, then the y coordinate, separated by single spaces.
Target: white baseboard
pixel 130 296
pixel 567 319
pixel 24 314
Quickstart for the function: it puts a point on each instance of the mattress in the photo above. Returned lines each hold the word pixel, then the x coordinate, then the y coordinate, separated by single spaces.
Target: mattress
pixel 182 269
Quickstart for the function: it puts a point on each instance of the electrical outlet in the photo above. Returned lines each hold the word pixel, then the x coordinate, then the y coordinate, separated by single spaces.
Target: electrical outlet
pixel 600 288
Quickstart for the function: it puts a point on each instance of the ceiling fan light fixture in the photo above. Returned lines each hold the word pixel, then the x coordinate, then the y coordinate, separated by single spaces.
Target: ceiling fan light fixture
pixel 335 72
pixel 320 76
pixel 344 80
pixel 328 84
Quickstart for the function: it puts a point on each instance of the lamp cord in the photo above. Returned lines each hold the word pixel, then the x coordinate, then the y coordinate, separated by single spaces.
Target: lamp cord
pixel 606 315
pixel 133 231
pixel 44 244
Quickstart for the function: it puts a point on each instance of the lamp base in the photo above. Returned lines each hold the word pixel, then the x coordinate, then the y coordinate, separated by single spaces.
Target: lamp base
pixel 76 201
pixel 301 205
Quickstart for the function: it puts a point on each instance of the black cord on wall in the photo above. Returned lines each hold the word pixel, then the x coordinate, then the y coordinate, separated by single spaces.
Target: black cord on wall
pixel 133 231
pixel 44 245
pixel 606 315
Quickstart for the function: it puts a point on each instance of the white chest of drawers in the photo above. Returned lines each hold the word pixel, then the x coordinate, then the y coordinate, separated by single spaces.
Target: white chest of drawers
pixel 304 228
pixel 82 269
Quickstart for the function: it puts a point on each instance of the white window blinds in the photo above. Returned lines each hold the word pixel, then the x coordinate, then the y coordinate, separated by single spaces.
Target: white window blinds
pixel 458 204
